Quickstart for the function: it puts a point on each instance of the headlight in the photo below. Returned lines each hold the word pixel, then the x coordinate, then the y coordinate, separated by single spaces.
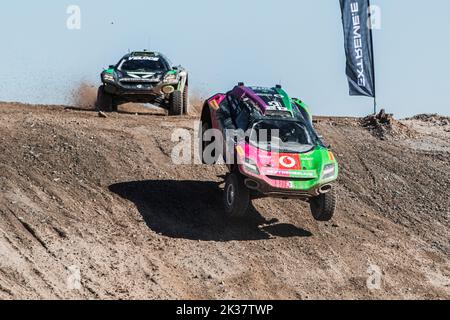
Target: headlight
pixel 170 77
pixel 108 77
pixel 329 171
pixel 251 166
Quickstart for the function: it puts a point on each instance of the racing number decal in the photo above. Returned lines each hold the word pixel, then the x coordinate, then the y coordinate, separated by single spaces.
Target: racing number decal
pixel 275 105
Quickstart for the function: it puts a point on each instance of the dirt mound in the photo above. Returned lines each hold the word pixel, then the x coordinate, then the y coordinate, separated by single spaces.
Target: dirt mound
pixel 384 126
pixel 432 118
pixel 94 208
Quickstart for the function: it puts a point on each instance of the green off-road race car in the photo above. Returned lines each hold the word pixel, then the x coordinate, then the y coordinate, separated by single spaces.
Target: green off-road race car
pixel 144 77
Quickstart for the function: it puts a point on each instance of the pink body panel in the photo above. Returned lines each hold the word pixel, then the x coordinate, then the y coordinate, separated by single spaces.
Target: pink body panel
pixel 272 164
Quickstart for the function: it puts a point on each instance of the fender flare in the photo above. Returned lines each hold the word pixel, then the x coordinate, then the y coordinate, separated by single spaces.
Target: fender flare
pixel 183 81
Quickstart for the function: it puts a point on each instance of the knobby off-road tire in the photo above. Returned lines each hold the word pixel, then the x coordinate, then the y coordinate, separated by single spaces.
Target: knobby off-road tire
pixel 207 149
pixel 186 100
pixel 204 126
pixel 105 101
pixel 236 196
pixel 176 103
pixel 323 206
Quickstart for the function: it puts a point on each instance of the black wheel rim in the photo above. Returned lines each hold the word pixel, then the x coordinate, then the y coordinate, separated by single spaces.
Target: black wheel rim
pixel 230 195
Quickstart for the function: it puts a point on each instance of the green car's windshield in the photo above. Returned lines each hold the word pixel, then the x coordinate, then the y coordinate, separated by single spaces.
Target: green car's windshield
pixel 142 65
pixel 282 136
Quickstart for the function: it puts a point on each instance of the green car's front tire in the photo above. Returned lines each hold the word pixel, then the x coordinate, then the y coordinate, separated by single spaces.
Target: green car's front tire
pixel 236 196
pixel 176 103
pixel 186 100
pixel 323 206
pixel 105 101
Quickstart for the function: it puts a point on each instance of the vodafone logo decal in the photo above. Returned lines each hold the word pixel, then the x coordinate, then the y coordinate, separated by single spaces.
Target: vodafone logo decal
pixel 288 162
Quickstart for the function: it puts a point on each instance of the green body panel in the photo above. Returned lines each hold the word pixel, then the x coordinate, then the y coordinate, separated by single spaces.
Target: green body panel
pixel 286 99
pixel 287 102
pixel 303 105
pixel 313 164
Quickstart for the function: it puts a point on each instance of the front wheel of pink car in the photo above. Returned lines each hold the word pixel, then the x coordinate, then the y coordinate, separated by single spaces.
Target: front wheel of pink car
pixel 236 196
pixel 323 206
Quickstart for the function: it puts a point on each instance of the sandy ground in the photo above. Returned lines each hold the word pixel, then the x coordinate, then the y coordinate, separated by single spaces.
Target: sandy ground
pixel 100 198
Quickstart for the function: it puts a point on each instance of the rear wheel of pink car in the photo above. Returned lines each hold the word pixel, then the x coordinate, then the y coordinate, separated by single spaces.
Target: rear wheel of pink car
pixel 208 153
pixel 323 206
pixel 205 126
pixel 236 196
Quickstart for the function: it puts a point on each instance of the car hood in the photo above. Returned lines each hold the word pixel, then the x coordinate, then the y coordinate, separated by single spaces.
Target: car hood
pixel 307 165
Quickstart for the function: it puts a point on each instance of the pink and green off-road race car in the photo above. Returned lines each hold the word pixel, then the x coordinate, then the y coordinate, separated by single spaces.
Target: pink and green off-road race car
pixel 280 154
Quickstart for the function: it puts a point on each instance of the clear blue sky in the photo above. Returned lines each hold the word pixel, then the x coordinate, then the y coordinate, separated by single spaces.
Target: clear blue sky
pixel 262 42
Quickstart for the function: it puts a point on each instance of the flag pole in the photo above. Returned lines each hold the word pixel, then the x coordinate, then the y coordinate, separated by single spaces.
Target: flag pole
pixel 373 60
pixel 375 105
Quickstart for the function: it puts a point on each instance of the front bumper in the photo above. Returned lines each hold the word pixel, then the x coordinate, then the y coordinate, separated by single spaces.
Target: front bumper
pixel 139 89
pixel 268 190
pixel 286 187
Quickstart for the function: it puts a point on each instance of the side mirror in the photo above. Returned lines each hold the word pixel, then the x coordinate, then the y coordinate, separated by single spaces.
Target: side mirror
pixel 175 67
pixel 111 66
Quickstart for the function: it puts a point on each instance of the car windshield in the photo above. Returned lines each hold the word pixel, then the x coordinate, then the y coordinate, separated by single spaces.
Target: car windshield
pixel 143 65
pixel 282 136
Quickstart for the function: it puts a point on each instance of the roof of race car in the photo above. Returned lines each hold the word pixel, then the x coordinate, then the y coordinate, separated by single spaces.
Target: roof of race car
pixel 142 54
pixel 270 101
pixel 147 55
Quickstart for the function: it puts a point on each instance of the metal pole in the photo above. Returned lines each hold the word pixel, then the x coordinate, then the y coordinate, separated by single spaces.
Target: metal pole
pixel 373 61
pixel 375 105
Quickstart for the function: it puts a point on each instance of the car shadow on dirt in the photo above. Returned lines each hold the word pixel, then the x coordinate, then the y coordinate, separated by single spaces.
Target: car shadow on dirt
pixel 193 210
